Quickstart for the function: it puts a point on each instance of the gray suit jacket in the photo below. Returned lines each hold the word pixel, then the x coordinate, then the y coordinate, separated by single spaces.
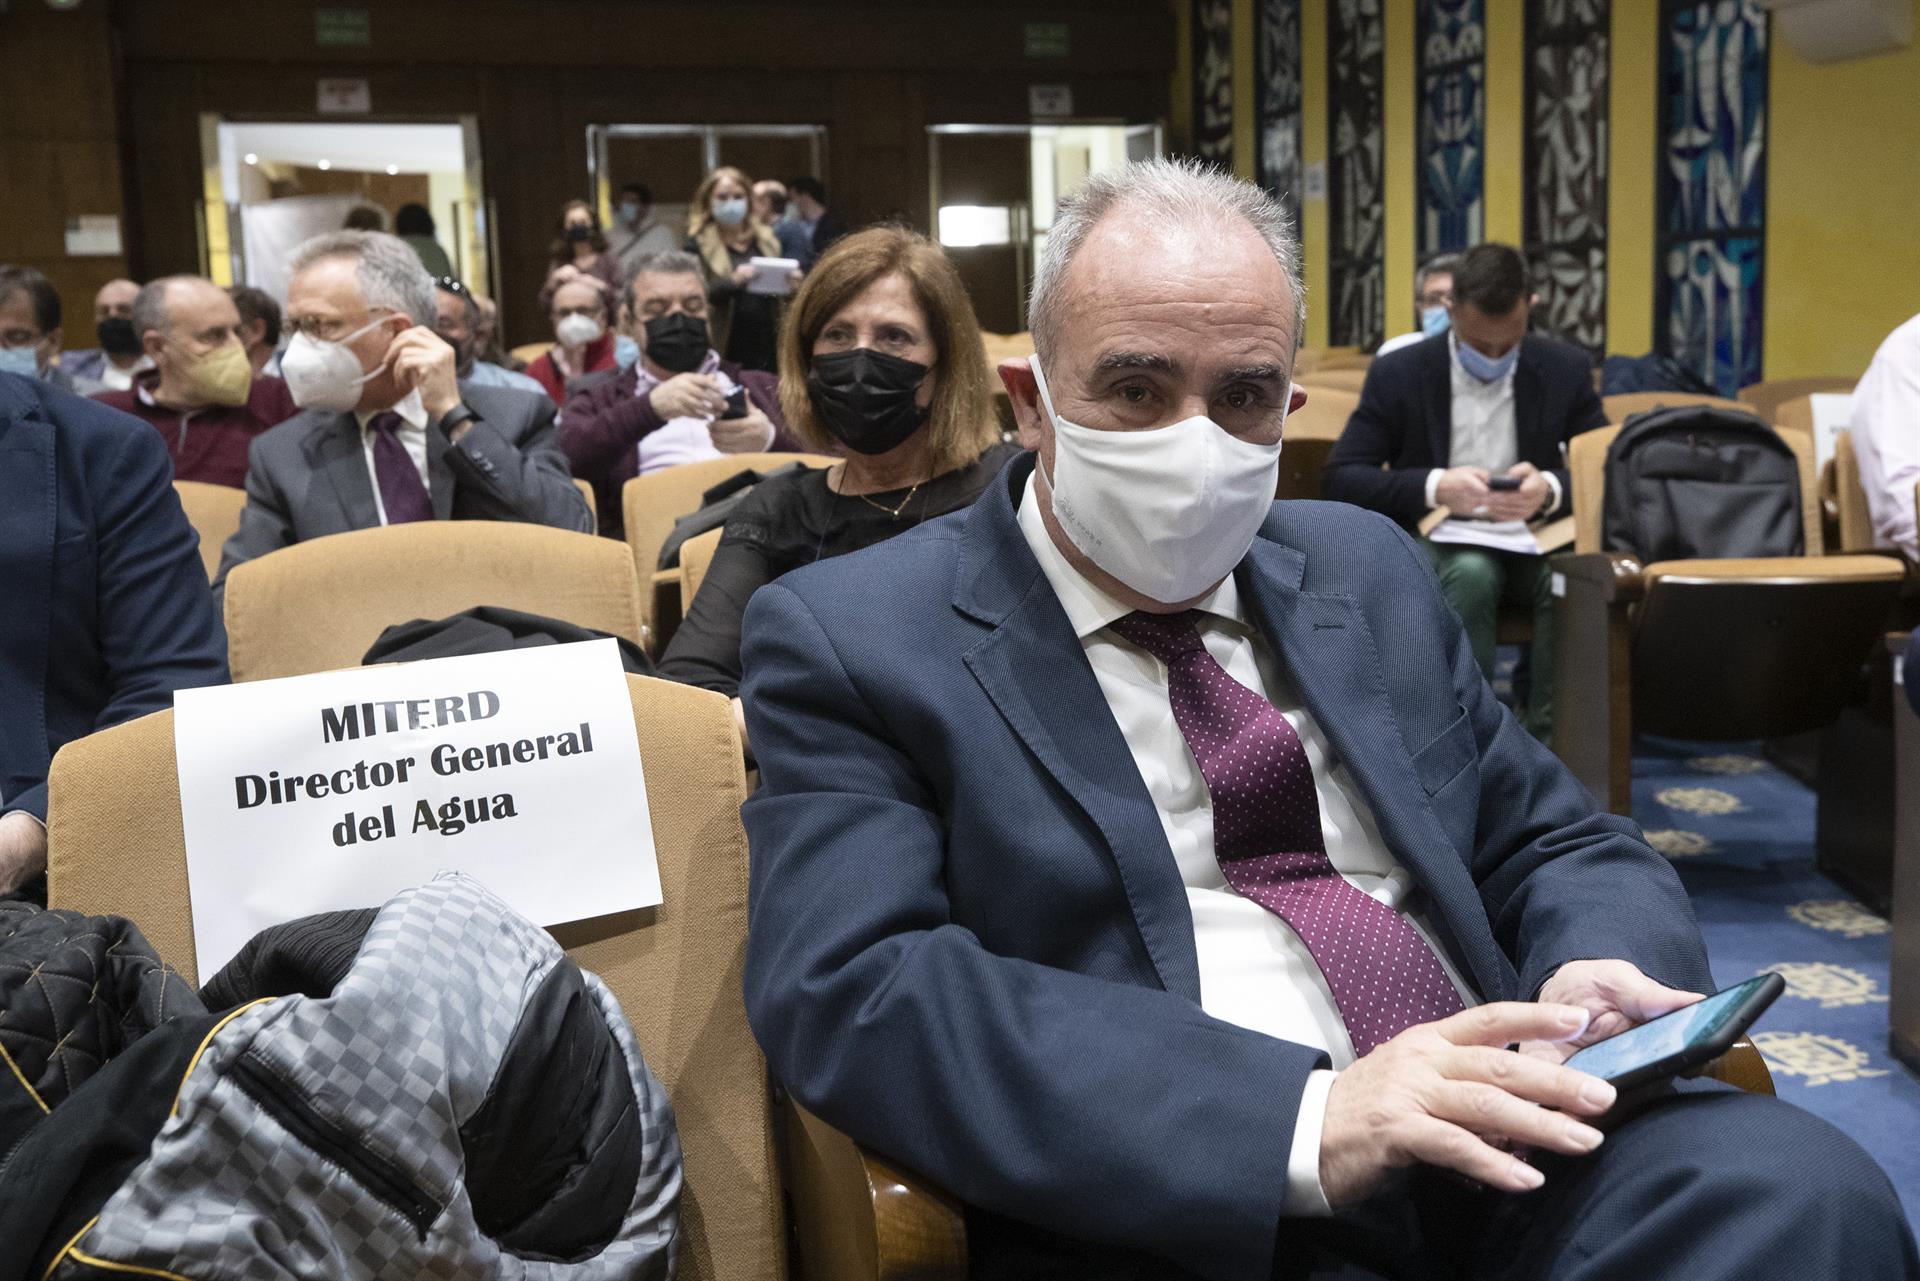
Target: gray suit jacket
pixel 308 477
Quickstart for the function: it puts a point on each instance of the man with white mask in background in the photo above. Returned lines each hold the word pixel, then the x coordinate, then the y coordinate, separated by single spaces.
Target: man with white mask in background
pixel 1149 864
pixel 386 433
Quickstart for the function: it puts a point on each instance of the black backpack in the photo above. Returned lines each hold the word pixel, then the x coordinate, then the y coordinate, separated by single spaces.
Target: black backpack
pixel 1698 482
pixel 715 506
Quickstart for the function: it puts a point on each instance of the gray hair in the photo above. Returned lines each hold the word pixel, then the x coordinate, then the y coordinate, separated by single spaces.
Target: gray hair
pixel 668 262
pixel 1438 265
pixel 389 272
pixel 1177 191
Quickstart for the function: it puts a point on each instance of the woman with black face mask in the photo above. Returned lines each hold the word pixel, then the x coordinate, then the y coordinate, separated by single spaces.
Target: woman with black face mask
pixel 881 362
pixel 580 250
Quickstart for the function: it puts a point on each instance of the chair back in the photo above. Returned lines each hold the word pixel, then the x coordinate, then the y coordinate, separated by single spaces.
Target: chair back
pixel 651 503
pixel 1587 468
pixel 1335 377
pixel 1622 407
pixel 214 513
pixel 1855 520
pixel 695 555
pixel 115 845
pixel 318 605
pixel 593 504
pixel 1766 399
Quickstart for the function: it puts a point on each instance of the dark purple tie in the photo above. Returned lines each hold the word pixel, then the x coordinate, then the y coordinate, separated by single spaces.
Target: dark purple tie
pixel 1266 834
pixel 402 493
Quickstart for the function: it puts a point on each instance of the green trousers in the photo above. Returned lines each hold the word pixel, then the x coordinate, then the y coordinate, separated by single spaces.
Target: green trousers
pixel 1476 582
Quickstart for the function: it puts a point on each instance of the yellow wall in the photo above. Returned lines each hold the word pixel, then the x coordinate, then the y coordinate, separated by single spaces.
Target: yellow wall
pixel 1843 193
pixel 1843 209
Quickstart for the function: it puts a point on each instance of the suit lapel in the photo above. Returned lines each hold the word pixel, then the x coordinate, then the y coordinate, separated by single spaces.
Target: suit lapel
pixel 337 452
pixel 1436 384
pixel 1326 648
pixel 29 513
pixel 1526 411
pixel 439 474
pixel 1035 671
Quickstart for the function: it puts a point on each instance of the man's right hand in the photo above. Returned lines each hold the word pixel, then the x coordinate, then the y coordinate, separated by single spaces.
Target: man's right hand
pixel 1463 491
pixel 688 396
pixel 1446 1093
pixel 23 849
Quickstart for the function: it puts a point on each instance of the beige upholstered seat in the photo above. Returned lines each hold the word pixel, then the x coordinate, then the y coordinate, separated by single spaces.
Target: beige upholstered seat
pixel 115 846
pixel 1766 399
pixel 214 513
pixel 318 605
pixel 695 555
pixel 1622 407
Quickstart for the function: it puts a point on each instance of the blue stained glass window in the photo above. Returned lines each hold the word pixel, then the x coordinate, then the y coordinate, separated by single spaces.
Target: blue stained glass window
pixel 1356 39
pixel 1567 95
pixel 1708 281
pixel 1453 125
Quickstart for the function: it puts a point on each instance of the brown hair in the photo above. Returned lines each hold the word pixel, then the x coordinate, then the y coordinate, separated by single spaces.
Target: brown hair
pixel 961 424
pixel 700 211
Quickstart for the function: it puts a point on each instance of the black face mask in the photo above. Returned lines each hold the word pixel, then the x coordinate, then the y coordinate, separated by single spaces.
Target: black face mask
pixel 678 343
pixel 579 231
pixel 866 398
pixel 117 337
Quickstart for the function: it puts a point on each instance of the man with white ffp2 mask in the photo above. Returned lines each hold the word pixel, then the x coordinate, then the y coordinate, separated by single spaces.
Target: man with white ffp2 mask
pixel 387 433
pixel 1167 847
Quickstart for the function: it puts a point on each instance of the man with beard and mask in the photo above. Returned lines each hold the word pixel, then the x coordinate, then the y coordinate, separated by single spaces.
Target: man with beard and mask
pixel 112 365
pixel 670 406
pixel 1476 421
pixel 882 363
pixel 201 394
pixel 386 432
pixel 457 321
pixel 1149 864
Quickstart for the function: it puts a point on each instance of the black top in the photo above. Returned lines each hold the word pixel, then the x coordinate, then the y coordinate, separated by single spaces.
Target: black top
pixel 753 335
pixel 788 522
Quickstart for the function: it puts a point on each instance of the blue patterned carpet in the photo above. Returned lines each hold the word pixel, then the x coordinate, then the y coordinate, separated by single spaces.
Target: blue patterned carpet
pixel 1740 833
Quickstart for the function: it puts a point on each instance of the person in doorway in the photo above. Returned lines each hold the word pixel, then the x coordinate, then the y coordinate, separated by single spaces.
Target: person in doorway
pixel 774 209
pixel 670 407
pixel 581 250
pixel 723 233
pixel 112 365
pixel 637 233
pixel 582 344
pixel 259 327
pixel 823 224
pixel 201 393
pixel 413 224
pixel 1432 302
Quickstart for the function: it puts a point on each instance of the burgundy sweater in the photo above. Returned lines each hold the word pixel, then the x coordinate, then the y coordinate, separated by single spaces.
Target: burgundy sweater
pixel 207 444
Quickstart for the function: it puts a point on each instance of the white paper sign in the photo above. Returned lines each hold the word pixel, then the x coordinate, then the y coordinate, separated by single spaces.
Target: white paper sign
pixel 339 790
pixel 1832 412
pixel 343 97
pixel 93 235
pixel 772 275
pixel 1048 102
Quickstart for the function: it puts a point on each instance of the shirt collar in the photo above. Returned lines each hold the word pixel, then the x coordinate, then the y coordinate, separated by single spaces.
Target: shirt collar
pixel 1088 607
pixel 646 382
pixel 411 411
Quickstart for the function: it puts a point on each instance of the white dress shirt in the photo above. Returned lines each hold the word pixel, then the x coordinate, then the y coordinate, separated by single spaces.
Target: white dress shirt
pixel 1886 437
pixel 114 378
pixel 1485 432
pixel 1255 972
pixel 412 433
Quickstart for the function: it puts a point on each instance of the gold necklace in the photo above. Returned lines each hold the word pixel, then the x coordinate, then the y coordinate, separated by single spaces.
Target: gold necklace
pixel 891 511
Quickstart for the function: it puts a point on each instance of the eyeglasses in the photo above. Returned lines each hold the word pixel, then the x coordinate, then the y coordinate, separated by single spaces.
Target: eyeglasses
pixel 333 328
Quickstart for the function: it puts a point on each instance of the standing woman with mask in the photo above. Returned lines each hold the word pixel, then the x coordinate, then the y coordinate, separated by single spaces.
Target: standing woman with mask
pixel 581 250
pixel 724 234
pixel 881 362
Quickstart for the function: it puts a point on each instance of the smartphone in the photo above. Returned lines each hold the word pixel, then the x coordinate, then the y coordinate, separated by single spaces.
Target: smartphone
pixel 1685 1039
pixel 1503 483
pixel 736 403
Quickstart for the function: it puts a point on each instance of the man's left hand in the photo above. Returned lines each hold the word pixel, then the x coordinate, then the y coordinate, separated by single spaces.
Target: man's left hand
pixel 424 362
pixel 1525 502
pixel 1615 995
pixel 23 849
pixel 752 433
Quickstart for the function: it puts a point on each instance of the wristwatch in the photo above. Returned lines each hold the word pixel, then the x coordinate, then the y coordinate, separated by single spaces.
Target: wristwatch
pixel 455 416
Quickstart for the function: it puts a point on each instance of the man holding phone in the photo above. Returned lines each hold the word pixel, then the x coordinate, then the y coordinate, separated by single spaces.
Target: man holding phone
pixel 1476 421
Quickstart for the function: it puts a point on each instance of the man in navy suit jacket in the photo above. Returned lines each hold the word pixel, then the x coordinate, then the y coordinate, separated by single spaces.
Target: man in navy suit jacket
pixel 104 604
pixel 995 936
pixel 1439 420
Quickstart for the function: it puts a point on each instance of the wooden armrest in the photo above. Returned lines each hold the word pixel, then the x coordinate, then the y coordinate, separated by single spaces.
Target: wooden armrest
pixel 1742 1066
pixel 1617 576
pixel 1783 569
pixel 666 578
pixel 859 1217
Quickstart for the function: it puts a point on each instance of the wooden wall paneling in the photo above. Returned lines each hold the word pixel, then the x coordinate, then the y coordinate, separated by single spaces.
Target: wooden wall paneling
pixel 163 153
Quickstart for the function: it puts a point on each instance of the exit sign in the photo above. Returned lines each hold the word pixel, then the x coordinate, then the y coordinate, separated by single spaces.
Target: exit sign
pixel 1046 39
pixel 342 27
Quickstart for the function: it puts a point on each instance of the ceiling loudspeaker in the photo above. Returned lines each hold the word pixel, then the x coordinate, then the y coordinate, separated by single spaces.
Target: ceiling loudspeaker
pixel 1840 30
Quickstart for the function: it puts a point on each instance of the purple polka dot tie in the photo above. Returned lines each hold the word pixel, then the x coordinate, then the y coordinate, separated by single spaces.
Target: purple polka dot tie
pixel 403 495
pixel 1266 834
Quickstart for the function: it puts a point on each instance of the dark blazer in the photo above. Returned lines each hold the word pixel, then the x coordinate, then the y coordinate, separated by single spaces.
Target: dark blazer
pixel 970 947
pixel 106 609
pixel 1405 420
pixel 308 476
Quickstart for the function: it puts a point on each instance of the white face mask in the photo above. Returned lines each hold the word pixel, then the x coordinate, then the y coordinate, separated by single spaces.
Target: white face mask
pixel 326 375
pixel 1168 511
pixel 576 330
